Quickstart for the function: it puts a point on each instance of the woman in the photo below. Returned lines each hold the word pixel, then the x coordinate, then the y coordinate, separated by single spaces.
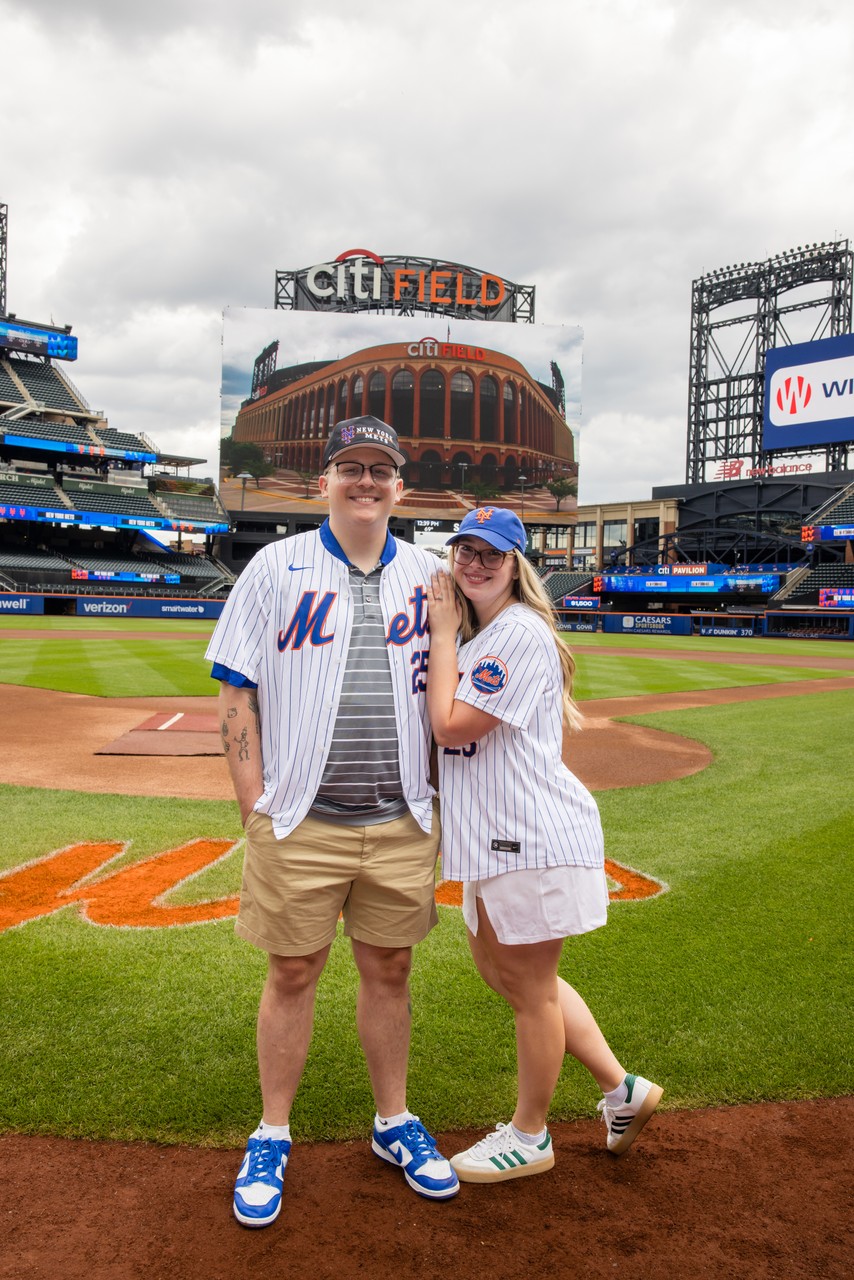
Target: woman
pixel 520 831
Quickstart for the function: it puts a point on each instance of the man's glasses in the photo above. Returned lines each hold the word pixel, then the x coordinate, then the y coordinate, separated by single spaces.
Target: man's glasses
pixel 489 557
pixel 352 472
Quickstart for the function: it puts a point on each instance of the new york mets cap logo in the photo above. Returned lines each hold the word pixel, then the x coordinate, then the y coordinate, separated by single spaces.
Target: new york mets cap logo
pixel 499 527
pixel 367 431
pixel 490 675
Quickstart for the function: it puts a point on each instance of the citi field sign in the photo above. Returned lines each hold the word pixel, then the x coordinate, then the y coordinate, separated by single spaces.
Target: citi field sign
pixel 809 394
pixel 359 279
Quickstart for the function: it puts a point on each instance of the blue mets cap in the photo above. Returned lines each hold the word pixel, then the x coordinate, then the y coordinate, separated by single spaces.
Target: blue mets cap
pixel 502 529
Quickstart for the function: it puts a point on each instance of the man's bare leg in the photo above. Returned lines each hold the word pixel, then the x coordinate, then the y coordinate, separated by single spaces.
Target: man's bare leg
pixel 285 1021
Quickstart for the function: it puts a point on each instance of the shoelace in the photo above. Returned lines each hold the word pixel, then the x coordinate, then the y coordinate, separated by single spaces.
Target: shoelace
pixel 419 1141
pixel 495 1144
pixel 264 1162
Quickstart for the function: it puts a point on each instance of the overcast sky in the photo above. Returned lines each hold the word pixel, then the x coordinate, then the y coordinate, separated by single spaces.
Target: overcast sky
pixel 161 161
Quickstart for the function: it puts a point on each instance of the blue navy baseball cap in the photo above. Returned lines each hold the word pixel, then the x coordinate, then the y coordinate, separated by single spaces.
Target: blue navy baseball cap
pixel 502 529
pixel 356 433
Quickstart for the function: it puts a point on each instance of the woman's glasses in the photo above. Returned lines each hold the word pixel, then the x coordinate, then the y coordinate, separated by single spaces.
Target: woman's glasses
pixel 465 553
pixel 352 472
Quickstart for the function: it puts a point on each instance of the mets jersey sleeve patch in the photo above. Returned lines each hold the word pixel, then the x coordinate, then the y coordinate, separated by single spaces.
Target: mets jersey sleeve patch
pixel 489 675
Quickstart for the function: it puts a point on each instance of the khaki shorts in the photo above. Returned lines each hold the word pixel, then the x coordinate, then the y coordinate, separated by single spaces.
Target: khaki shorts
pixel 382 878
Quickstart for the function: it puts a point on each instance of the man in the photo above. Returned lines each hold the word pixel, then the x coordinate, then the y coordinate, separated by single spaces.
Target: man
pixel 322 653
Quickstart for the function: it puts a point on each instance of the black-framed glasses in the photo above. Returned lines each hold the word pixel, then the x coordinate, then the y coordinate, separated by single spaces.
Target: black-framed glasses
pixel 489 557
pixel 352 472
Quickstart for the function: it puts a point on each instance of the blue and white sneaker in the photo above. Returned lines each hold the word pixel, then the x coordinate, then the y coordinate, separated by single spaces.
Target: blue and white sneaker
pixel 624 1123
pixel 258 1190
pixel 411 1148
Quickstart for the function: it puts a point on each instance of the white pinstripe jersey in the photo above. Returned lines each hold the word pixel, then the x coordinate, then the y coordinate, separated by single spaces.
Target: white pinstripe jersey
pixel 286 627
pixel 508 801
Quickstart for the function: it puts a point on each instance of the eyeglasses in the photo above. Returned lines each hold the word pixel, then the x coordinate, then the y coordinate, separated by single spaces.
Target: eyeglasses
pixel 352 472
pixel 489 557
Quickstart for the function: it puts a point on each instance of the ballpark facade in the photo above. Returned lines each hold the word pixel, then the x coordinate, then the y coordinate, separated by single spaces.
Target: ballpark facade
pixel 464 414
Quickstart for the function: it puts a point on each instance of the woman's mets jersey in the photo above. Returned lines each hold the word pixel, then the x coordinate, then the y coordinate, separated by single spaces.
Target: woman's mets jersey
pixel 508 801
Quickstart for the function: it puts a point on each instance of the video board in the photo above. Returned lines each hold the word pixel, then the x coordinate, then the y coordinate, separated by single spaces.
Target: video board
pixel 38 340
pixel 718 583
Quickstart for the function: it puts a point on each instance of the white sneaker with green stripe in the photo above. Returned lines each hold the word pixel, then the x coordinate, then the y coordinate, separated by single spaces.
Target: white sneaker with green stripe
pixel 625 1122
pixel 500 1155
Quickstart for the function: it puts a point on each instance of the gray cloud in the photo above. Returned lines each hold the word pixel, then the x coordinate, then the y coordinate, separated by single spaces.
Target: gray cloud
pixel 609 154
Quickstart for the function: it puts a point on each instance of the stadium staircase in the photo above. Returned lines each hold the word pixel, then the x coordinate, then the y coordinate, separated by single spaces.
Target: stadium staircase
pixel 793 581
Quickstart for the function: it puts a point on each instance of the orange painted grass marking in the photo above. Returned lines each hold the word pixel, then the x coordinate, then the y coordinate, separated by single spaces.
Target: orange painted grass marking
pixel 133 898
pixel 633 886
pixel 130 898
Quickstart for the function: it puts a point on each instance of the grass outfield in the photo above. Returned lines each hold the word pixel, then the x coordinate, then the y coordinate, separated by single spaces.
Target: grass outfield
pixel 106 658
pixel 731 987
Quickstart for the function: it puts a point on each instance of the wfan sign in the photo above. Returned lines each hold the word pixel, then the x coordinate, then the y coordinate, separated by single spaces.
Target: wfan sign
pixel 809 394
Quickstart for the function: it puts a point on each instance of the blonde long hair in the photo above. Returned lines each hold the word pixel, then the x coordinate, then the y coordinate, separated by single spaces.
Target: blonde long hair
pixel 529 590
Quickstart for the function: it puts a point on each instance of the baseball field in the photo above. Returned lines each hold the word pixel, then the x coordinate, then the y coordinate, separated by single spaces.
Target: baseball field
pixel 128 1005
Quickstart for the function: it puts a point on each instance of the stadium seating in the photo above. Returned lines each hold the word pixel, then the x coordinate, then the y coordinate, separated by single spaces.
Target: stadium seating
pixel 30 495
pixel 188 566
pixel 189 506
pixel 32 560
pixel 43 383
pixel 10 392
pixel 118 504
pixel 823 575
pixel 59 431
pixel 842 513
pixel 560 584
pixel 113 439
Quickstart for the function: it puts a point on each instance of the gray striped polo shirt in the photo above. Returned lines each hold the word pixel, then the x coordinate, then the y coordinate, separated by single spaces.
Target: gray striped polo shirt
pixel 361 783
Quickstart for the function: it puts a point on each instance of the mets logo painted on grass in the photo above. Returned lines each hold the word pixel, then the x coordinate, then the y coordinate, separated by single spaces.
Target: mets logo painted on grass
pixel 136 896
pixel 490 675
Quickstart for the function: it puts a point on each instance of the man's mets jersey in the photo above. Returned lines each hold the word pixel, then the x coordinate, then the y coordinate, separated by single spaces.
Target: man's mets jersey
pixel 286 629
pixel 508 801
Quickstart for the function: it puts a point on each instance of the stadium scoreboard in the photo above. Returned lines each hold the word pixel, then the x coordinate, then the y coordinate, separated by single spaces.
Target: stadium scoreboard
pixel 37 339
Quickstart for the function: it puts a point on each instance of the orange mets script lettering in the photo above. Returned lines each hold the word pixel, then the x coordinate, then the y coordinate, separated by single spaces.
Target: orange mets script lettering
pixel 632 886
pixel 131 898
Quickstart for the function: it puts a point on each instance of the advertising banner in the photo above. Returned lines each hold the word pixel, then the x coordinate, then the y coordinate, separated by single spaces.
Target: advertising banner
pixel 718 583
pixel 105 519
pixel 657 624
pixel 809 394
pixel 727 631
pixel 826 532
pixel 21 604
pixel 110 607
pixel 836 598
pixel 581 602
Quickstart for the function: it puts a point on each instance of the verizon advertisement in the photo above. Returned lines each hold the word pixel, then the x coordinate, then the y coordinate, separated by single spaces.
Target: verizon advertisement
pixel 809 394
